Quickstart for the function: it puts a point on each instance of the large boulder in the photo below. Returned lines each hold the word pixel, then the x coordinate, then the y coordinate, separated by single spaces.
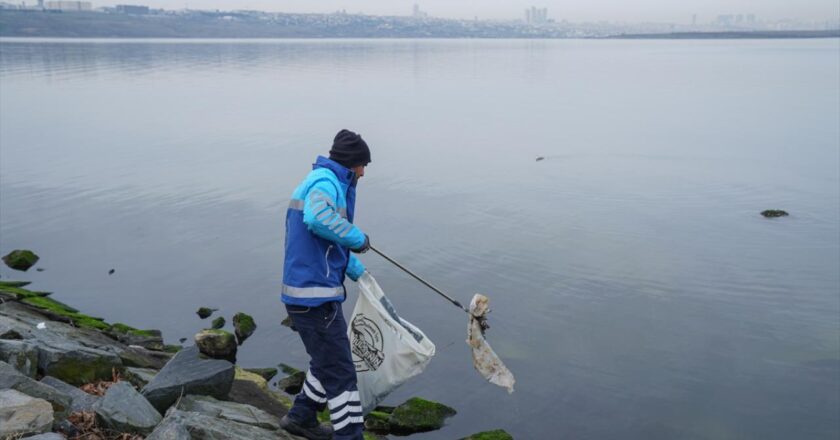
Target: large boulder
pixel 79 400
pixel 419 415
pixel 244 326
pixel 20 354
pixel 76 364
pixel 189 373
pixel 20 259
pixel 22 414
pixel 183 425
pixel 236 412
pixel 251 393
pixel 217 344
pixel 10 378
pixel 123 409
pixel 139 357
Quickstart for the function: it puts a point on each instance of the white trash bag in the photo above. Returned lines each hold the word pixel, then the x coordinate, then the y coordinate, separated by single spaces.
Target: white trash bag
pixel 387 350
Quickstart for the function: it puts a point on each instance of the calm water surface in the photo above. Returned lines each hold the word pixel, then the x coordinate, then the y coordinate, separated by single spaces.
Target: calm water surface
pixel 637 292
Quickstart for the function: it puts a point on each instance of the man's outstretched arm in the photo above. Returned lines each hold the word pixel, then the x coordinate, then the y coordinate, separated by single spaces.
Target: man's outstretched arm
pixel 323 219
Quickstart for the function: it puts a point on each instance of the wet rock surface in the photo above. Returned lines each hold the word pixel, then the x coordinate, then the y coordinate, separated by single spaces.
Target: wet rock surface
pixel 22 414
pixel 189 373
pixel 419 415
pixel 244 326
pixel 123 409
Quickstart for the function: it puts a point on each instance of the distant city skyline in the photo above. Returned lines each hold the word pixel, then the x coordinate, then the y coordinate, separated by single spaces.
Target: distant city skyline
pixel 591 10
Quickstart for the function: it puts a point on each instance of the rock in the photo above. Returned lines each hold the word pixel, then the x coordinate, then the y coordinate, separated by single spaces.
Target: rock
pixel 21 355
pixel 13 379
pixel 67 428
pixel 79 400
pixel 204 312
pixel 123 409
pixel 236 412
pixel 377 421
pixel 773 213
pixel 265 373
pixel 217 344
pixel 173 348
pixel 11 335
pixel 182 340
pixel 46 436
pixel 76 364
pixel 22 414
pixel 39 269
pixel 244 326
pixel 200 426
pixel 20 259
pixel 111 272
pixel 292 383
pixel 136 356
pixel 251 377
pixel 539 158
pixel 139 377
pixel 217 323
pixel 419 415
pixel 148 339
pixel 250 393
pixel 189 373
pixel 287 322
pixel 498 434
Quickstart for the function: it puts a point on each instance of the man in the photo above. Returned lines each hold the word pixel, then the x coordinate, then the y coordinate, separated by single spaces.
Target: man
pixel 319 238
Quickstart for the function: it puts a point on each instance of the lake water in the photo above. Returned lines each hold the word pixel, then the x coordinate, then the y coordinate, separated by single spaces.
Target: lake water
pixel 637 292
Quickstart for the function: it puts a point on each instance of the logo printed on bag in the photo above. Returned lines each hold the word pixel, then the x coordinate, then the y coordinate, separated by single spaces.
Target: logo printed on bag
pixel 366 344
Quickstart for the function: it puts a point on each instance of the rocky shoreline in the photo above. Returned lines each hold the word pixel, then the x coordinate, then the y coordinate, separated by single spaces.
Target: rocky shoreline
pixel 64 374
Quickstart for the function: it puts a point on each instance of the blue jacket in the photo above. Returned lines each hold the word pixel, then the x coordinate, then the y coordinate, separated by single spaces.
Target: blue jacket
pixel 319 236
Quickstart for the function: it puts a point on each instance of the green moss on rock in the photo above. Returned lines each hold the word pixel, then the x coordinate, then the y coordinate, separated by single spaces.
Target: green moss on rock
pixel 419 415
pixel 498 434
pixel 20 259
pixel 377 421
pixel 244 326
pixel 63 310
pixel 265 373
pixel 218 323
pixel 204 312
pixel 172 348
pixel 78 372
pixel 122 328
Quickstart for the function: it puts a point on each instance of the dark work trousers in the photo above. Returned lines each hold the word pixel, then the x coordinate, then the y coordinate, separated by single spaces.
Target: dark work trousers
pixel 331 379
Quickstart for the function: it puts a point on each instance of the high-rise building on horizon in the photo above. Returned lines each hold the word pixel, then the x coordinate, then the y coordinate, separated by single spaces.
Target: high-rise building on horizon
pixel 534 15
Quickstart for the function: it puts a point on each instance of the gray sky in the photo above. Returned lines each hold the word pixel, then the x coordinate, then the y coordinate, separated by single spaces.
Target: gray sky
pixel 678 11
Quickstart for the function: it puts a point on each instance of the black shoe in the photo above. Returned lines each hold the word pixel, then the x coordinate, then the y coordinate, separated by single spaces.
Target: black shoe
pixel 314 432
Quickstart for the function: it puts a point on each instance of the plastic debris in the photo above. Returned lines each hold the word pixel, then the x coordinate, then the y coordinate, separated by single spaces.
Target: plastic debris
pixel 41 325
pixel 485 359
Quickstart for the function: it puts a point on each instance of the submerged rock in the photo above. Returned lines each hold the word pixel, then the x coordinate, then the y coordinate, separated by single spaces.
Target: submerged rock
pixel 539 158
pixel 79 400
pixel 217 344
pixel 204 312
pixel 419 415
pixel 20 259
pixel 22 414
pixel 189 373
pixel 123 409
pixel 235 412
pixel 244 326
pixel 498 434
pixel 217 323
pixel 773 213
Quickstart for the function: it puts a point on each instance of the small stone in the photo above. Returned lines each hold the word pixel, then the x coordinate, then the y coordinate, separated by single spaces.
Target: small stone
pixel 539 158
pixel 498 434
pixel 217 323
pixel 22 414
pixel 773 213
pixel 244 326
pixel 111 272
pixel 123 409
pixel 217 344
pixel 22 355
pixel 204 312
pixel 39 269
pixel 182 340
pixel 419 415
pixel 266 373
pixel 20 259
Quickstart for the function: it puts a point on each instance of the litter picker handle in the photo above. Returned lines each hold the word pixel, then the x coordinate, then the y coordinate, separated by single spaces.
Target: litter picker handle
pixel 426 283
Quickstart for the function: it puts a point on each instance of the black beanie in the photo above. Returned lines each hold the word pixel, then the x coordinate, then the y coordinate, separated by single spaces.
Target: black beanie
pixel 349 149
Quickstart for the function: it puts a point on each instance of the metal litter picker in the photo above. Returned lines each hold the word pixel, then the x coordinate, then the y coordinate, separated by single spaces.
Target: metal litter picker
pixel 485 359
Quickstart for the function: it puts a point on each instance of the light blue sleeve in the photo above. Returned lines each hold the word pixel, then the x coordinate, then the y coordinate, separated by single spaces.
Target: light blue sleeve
pixel 355 268
pixel 322 218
